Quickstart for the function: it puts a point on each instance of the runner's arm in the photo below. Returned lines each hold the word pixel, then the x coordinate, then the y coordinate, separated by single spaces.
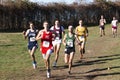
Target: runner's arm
pixel 117 23
pixel 86 31
pixel 100 22
pixel 53 36
pixel 64 39
pixel 63 31
pixel 37 31
pixel 77 40
pixel 104 21
pixel 25 34
pixel 39 36
pixel 76 36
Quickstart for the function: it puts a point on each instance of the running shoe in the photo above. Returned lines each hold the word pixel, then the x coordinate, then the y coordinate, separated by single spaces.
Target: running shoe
pixel 48 74
pixel 54 64
pixel 69 72
pixel 34 65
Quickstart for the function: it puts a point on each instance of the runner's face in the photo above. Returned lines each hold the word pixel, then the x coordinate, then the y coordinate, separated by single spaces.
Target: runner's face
pixel 113 18
pixel 45 25
pixel 101 17
pixel 70 28
pixel 31 26
pixel 80 22
pixel 57 23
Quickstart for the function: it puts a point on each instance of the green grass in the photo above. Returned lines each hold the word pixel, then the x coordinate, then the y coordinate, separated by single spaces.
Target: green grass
pixel 101 52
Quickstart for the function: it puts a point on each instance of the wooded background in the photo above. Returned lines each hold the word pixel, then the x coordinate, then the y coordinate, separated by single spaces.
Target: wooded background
pixel 14 16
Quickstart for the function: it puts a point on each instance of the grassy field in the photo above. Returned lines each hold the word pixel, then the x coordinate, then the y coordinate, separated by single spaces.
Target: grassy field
pixel 101 53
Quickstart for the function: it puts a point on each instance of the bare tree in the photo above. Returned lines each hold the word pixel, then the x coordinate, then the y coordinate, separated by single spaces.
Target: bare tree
pixel 81 1
pixel 105 0
pixel 16 16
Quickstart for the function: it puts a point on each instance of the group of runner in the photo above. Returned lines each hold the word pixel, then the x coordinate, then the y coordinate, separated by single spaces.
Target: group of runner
pixel 51 39
pixel 114 24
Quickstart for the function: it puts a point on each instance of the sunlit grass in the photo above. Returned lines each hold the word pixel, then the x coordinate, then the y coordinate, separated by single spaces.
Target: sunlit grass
pixel 101 52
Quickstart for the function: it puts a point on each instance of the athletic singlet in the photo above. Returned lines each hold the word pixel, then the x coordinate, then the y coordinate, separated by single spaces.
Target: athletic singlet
pixel 70 40
pixel 31 36
pixel 114 23
pixel 46 42
pixel 58 32
pixel 81 31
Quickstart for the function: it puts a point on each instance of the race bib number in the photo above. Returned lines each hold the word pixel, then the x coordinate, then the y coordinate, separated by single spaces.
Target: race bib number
pixel 65 50
pixel 81 38
pixel 32 39
pixel 46 44
pixel 57 34
pixel 70 43
pixel 57 41
pixel 57 38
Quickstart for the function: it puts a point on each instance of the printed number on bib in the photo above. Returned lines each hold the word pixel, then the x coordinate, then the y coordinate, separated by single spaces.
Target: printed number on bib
pixel 32 39
pixel 57 34
pixel 46 44
pixel 81 37
pixel 70 43
pixel 57 38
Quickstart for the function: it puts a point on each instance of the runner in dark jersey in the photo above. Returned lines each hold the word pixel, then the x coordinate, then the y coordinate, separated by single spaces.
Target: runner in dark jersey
pixel 32 43
pixel 58 30
pixel 68 42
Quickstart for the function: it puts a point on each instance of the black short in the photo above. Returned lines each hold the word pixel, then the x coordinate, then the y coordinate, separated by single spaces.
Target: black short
pixel 68 50
pixel 102 27
pixel 31 45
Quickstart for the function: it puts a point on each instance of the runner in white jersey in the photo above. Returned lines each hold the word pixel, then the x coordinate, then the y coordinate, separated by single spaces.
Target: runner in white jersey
pixel 114 26
pixel 58 30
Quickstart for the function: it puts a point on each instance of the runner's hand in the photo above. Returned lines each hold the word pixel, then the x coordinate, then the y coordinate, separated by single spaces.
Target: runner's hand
pixel 64 44
pixel 23 32
pixel 87 35
pixel 77 43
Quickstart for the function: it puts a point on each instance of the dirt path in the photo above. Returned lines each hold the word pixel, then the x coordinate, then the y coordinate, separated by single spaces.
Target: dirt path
pixel 94 66
pixel 101 53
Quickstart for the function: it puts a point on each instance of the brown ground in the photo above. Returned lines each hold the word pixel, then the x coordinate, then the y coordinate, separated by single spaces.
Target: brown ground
pixel 100 54
pixel 94 66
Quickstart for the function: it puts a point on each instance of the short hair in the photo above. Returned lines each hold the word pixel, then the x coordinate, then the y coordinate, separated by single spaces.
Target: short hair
pixel 70 26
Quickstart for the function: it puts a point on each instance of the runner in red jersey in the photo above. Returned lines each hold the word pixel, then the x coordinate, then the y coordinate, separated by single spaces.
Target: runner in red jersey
pixel 46 41
pixel 46 46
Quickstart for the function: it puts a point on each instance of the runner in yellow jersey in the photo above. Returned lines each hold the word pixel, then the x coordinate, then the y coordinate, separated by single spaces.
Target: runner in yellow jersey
pixel 81 34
